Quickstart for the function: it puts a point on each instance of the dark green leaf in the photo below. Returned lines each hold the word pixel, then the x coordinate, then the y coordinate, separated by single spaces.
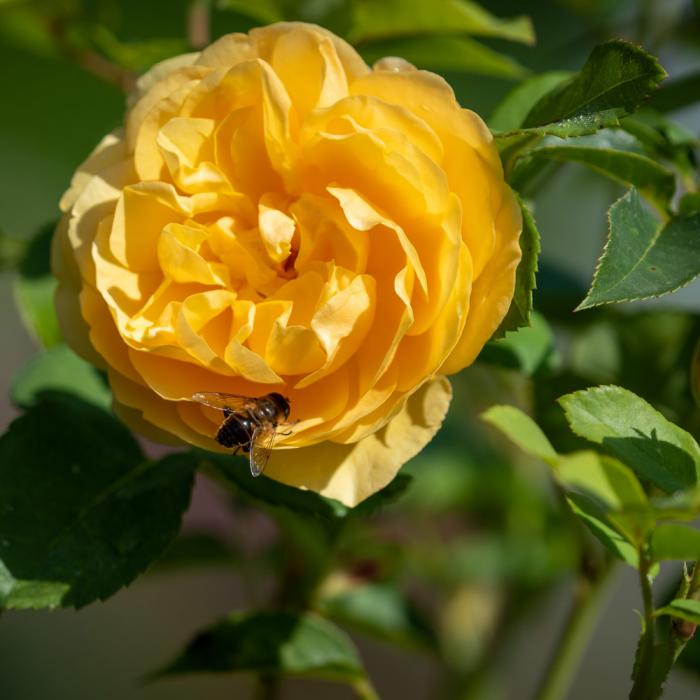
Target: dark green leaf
pixel 682 608
pixel 306 503
pixel 521 306
pixel 669 541
pixel 379 610
pixel 35 289
pixel 642 257
pixel 614 153
pixel 82 513
pixel 59 369
pixel 689 204
pixel 521 430
pixel 615 80
pixel 595 519
pixel 12 250
pixel 373 19
pixel 447 53
pixel 629 428
pixel 197 550
pixel 510 113
pixel 527 349
pixel 273 642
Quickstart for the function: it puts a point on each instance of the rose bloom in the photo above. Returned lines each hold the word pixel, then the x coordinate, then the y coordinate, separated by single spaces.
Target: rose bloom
pixel 277 216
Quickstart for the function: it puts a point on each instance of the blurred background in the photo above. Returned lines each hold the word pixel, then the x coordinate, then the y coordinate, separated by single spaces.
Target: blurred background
pixel 478 546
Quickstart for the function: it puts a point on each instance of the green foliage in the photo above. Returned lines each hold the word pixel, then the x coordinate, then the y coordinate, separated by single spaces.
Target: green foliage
pixel 448 53
pixel 629 428
pixel 373 20
pixel 528 349
pixel 35 289
pixel 644 258
pixel 669 541
pixel 274 643
pixel 379 610
pixel 59 369
pixel 614 81
pixel 82 511
pixel 521 306
pixel 684 609
pixel 611 152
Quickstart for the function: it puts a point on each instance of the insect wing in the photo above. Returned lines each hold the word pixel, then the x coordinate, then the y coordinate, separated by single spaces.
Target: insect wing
pixel 223 402
pixel 261 448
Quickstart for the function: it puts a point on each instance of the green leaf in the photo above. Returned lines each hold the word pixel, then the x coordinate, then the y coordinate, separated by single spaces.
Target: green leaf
pixel 521 306
pixel 613 153
pixel 447 53
pixel 615 80
pixel 521 430
pixel 267 11
pixel 378 19
pixel 378 610
pixel 510 113
pixel 82 513
pixel 35 289
pixel 669 541
pixel 642 257
pixel 633 431
pixel 285 643
pixel 59 369
pixel 527 349
pixel 683 608
pixel 12 250
pixel 197 550
pixel 595 519
pixel 306 503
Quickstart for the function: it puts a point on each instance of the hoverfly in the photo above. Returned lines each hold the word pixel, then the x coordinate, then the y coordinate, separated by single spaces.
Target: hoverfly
pixel 250 423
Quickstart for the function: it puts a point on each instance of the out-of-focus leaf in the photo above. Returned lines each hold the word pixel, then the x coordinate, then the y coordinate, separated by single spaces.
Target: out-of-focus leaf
pixel 669 541
pixel 644 258
pixel 595 519
pixel 379 610
pixel 447 53
pixel 306 503
pixel 525 283
pixel 35 289
pixel 683 608
pixel 677 93
pixel 695 373
pixel 521 430
pixel 510 113
pixel 267 11
pixel 82 513
pixel 379 19
pixel 197 550
pixel 283 643
pixel 689 204
pixel 526 349
pixel 59 369
pixel 613 153
pixel 12 250
pixel 628 427
pixel 615 80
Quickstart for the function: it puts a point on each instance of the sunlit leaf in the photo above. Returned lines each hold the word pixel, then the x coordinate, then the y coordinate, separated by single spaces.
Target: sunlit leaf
pixel 377 19
pixel 644 258
pixel 629 428
pixel 521 430
pixel 82 512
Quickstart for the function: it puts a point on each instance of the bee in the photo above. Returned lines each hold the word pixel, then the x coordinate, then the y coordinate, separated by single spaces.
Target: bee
pixel 251 424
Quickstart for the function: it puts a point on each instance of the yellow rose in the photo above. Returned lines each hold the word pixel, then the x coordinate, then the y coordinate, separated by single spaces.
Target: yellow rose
pixel 277 216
